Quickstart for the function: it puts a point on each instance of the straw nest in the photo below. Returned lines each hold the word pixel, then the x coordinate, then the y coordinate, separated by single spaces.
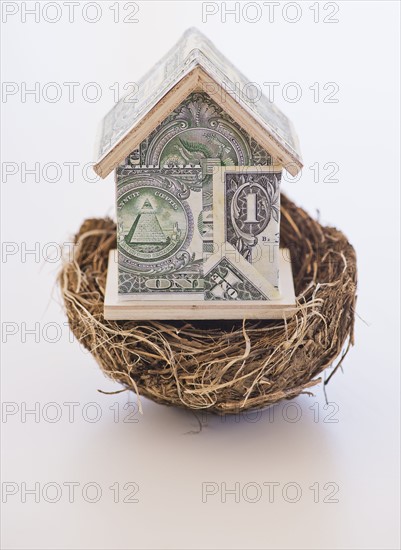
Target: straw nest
pixel 222 366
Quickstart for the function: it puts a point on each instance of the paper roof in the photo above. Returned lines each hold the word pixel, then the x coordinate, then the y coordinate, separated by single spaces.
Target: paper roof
pixel 192 64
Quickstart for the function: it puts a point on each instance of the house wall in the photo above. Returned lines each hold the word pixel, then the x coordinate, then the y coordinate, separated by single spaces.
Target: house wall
pixel 199 134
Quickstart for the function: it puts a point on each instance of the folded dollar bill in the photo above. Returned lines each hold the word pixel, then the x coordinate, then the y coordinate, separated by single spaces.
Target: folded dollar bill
pixel 246 223
pixel 159 239
pixel 162 227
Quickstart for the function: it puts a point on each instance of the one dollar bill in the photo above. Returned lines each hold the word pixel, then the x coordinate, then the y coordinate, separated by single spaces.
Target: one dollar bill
pixel 160 245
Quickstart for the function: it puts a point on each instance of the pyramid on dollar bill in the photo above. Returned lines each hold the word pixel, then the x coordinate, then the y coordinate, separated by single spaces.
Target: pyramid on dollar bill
pixel 146 228
pixel 198 160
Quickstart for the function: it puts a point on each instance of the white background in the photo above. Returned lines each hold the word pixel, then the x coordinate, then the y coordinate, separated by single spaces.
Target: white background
pixel 359 453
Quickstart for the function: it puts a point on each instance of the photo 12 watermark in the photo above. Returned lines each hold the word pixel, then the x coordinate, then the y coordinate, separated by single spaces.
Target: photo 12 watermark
pixel 269 492
pixel 68 92
pixel 270 12
pixel 70 12
pixel 69 412
pixel 53 492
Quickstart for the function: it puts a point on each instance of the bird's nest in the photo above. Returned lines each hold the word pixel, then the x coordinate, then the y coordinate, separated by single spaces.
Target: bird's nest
pixel 222 366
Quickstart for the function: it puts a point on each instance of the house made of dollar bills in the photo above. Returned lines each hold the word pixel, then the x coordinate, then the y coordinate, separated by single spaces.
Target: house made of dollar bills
pixel 198 158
